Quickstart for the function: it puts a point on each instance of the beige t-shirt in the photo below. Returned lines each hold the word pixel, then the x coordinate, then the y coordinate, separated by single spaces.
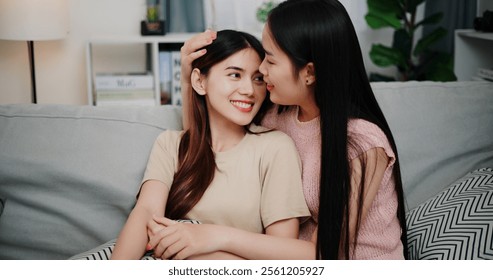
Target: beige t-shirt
pixel 259 181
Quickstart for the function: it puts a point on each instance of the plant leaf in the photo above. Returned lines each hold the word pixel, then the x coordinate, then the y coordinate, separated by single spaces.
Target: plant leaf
pixel 402 41
pixel 384 56
pixel 432 19
pixel 384 6
pixel 441 73
pixel 378 19
pixel 436 66
pixel 383 13
pixel 429 39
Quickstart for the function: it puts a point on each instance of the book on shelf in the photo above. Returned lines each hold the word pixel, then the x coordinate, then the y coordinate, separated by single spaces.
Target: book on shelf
pixel 123 81
pixel 144 97
pixel 165 76
pixel 485 73
pixel 176 78
pixel 170 74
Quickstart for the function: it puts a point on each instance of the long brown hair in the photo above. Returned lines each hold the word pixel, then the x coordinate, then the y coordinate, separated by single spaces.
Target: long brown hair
pixel 196 163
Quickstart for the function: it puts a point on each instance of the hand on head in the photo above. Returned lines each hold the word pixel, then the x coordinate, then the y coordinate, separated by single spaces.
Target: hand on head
pixel 192 49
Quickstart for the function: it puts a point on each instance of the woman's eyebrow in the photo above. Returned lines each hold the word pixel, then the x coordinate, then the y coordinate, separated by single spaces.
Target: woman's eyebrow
pixel 234 68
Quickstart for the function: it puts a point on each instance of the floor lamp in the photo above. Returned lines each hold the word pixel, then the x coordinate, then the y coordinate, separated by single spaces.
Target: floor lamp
pixel 33 20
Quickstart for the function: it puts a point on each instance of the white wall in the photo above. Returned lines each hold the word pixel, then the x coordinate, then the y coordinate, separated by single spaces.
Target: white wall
pixel 61 67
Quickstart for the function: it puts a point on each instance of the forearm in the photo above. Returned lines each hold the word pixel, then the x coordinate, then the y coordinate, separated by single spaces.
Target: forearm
pixel 132 241
pixel 262 246
pixel 219 255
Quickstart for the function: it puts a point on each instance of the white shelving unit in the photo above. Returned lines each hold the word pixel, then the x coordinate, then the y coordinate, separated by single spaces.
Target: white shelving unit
pixel 473 49
pixel 153 41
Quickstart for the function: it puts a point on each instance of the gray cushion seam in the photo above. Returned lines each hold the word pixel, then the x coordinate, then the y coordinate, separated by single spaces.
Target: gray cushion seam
pixel 80 118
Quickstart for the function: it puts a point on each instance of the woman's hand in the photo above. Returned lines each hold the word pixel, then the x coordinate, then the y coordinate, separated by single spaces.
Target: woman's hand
pixel 153 227
pixel 174 240
pixel 192 49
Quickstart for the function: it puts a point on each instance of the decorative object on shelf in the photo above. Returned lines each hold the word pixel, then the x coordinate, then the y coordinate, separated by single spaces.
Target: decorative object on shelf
pixel 413 61
pixel 153 25
pixel 484 23
pixel 31 21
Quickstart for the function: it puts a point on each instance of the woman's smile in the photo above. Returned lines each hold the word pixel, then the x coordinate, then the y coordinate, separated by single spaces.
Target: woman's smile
pixel 244 106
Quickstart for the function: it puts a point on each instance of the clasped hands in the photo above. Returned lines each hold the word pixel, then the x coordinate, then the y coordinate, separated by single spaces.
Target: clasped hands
pixel 174 240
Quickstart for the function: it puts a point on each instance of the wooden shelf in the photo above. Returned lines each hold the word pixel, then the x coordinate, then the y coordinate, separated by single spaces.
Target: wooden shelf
pixel 168 38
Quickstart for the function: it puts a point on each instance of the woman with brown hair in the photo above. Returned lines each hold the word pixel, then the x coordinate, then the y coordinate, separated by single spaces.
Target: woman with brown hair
pixel 223 170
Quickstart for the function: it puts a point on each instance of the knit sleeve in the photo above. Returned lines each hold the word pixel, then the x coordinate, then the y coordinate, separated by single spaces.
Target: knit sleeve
pixel 364 136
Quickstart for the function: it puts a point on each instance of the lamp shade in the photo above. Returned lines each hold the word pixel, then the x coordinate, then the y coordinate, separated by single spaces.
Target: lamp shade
pixel 33 19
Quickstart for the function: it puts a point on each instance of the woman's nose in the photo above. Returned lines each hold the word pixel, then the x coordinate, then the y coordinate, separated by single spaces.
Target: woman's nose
pixel 262 69
pixel 246 87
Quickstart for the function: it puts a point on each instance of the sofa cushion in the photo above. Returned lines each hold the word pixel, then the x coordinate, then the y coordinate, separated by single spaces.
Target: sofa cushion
pixel 69 174
pixel 457 223
pixel 442 131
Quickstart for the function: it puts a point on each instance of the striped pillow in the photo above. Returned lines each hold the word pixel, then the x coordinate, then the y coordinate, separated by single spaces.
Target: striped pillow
pixel 456 224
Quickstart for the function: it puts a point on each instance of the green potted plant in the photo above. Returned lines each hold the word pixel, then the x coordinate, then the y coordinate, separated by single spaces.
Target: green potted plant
pixel 414 60
pixel 152 17
pixel 152 25
pixel 264 9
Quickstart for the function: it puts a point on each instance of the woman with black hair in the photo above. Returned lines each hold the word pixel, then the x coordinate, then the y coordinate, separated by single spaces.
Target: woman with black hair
pixel 315 74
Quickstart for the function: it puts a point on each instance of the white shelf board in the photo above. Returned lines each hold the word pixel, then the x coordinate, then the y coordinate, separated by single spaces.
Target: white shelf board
pixel 168 38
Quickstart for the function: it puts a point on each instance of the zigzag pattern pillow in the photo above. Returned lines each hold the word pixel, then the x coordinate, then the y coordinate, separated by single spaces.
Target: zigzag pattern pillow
pixel 456 224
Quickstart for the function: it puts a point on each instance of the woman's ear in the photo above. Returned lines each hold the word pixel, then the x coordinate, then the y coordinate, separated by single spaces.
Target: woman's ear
pixel 308 74
pixel 198 82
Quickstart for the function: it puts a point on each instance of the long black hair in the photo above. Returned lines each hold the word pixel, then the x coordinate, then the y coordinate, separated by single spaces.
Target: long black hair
pixel 321 31
pixel 196 163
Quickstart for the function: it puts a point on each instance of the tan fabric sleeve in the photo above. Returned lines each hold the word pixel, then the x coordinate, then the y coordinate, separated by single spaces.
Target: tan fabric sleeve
pixel 163 159
pixel 282 194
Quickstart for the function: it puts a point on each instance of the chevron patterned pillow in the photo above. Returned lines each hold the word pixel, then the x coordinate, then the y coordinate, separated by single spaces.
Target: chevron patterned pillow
pixel 456 224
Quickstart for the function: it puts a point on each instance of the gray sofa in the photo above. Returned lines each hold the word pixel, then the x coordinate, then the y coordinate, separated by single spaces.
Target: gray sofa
pixel 69 174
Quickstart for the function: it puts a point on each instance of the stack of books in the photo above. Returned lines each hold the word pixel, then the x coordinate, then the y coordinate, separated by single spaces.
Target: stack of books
pixel 125 89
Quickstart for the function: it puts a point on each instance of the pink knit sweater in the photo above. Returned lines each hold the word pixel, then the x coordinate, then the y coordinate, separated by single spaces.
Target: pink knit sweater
pixel 379 236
